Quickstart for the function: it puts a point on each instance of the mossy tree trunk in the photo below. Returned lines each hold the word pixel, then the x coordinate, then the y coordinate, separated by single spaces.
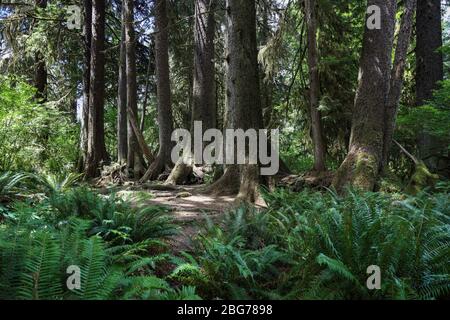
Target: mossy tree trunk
pixel 362 164
pixel 243 94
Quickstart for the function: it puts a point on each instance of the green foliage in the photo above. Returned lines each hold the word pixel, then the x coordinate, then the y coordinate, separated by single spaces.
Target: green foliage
pixel 113 219
pixel 55 183
pixel 9 185
pixel 433 118
pixel 34 136
pixel 118 249
pixel 318 246
pixel 33 261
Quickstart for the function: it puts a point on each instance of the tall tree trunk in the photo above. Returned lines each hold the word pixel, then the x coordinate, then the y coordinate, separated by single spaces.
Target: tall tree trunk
pixel 266 83
pixel 40 76
pixel 397 75
pixel 96 150
pixel 243 94
pixel 204 101
pixel 430 70
pixel 122 119
pixel 134 159
pixel 84 117
pixel 361 167
pixel 314 90
pixel 429 60
pixel 165 120
pixel 204 106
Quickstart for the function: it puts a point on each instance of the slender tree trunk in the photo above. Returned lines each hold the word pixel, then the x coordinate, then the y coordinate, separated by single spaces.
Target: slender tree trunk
pixel 429 71
pixel 84 117
pixel 134 159
pixel 314 90
pixel 429 60
pixel 40 77
pixel 165 120
pixel 144 104
pixel 397 75
pixel 361 167
pixel 266 83
pixel 204 107
pixel 122 119
pixel 96 150
pixel 204 101
pixel 243 94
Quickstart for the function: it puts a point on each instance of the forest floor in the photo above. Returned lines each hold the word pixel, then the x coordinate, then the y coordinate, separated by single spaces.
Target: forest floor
pixel 189 208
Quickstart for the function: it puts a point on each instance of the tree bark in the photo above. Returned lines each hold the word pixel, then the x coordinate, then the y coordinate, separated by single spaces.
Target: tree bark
pixel 243 94
pixel 429 71
pixel 362 164
pixel 140 138
pixel 96 149
pixel 429 61
pixel 134 157
pixel 87 38
pixel 314 90
pixel 397 76
pixel 204 105
pixel 122 119
pixel 204 100
pixel 165 120
pixel 40 76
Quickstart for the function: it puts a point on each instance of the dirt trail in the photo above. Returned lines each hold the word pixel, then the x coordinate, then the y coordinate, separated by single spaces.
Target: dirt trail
pixel 189 208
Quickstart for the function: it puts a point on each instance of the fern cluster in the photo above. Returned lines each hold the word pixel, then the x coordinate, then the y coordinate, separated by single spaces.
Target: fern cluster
pixel 116 247
pixel 318 246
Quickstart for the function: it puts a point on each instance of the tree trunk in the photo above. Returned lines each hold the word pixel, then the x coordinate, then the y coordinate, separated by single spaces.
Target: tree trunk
pixel 40 77
pixel 134 157
pixel 204 101
pixel 429 61
pixel 397 75
pixel 96 150
pixel 362 164
pixel 314 90
pixel 122 119
pixel 266 83
pixel 243 95
pixel 84 116
pixel 165 121
pixel 429 71
pixel 204 106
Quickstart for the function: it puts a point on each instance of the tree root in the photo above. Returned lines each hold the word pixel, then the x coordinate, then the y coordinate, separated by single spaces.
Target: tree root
pixel 156 168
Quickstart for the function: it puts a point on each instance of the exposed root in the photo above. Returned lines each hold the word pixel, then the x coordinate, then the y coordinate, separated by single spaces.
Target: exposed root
pixel 155 170
pixel 114 174
pixel 181 172
pixel 227 185
pixel 310 180
pixel 249 185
